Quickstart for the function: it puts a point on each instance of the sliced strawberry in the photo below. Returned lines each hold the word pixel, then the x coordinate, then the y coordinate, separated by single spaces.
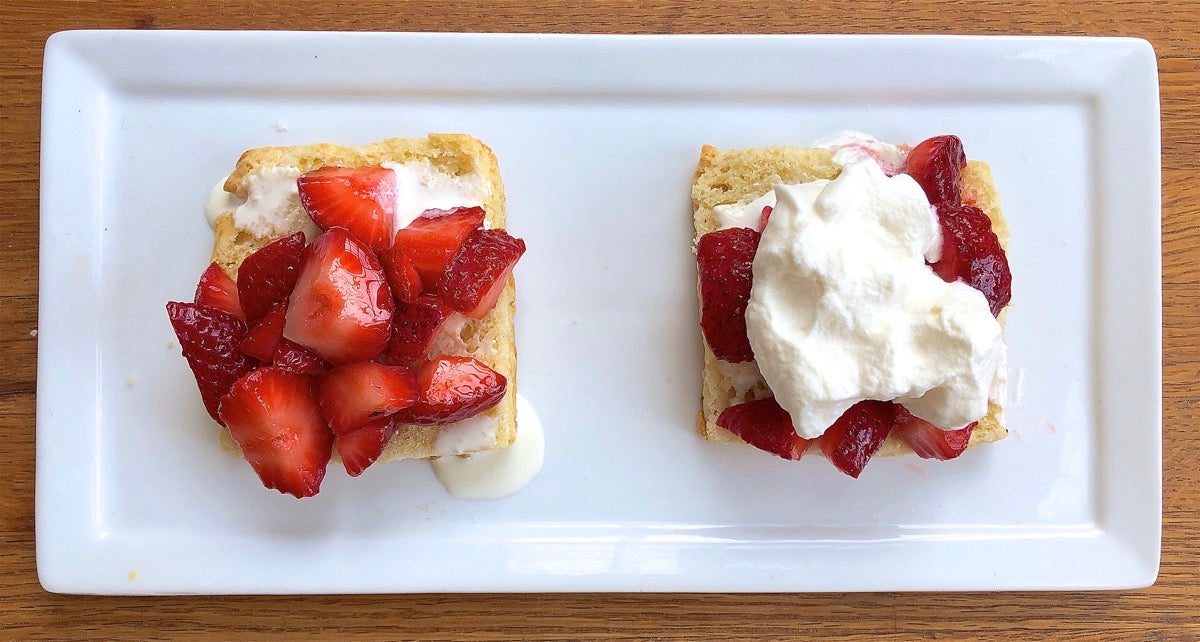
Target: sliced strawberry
pixel 294 357
pixel 936 164
pixel 453 389
pixel 414 327
pixel 356 393
pixel 263 338
pixel 431 241
pixel 273 415
pixel 855 437
pixel 479 271
pixel 765 425
pixel 361 200
pixel 724 259
pixel 971 252
pixel 341 307
pixel 266 277
pixel 360 449
pixel 929 441
pixel 764 217
pixel 217 290
pixel 402 276
pixel 209 338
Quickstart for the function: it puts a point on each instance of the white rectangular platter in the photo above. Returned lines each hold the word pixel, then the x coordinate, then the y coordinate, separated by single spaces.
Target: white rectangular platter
pixel 598 139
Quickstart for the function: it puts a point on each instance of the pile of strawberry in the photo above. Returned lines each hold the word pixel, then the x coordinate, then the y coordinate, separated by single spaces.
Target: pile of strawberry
pixel 971 252
pixel 326 345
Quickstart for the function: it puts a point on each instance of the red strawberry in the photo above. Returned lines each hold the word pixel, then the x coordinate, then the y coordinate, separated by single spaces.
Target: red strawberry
pixel 936 163
pixel 263 338
pixel 273 415
pixel 361 200
pixel 357 393
pixel 209 338
pixel 479 271
pixel 217 290
pixel 403 277
pixel 853 439
pixel 341 307
pixel 724 259
pixel 360 449
pixel 764 217
pixel 453 389
pixel 431 241
pixel 294 357
pixel 414 327
pixel 765 425
pixel 971 252
pixel 929 441
pixel 266 277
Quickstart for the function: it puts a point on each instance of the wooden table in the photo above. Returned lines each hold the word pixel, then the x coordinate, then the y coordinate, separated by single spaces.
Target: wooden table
pixel 1168 611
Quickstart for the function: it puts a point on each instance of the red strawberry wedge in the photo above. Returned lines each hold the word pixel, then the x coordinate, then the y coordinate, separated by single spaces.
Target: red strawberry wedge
pixel 263 338
pixel 266 277
pixel 936 164
pixel 217 290
pixel 929 441
pixel 766 426
pixel 453 389
pixel 273 415
pixel 209 338
pixel 341 307
pixel 724 259
pixel 296 358
pixel 431 241
pixel 402 275
pixel 414 327
pixel 971 252
pixel 361 200
pixel 360 449
pixel 357 393
pixel 855 437
pixel 479 271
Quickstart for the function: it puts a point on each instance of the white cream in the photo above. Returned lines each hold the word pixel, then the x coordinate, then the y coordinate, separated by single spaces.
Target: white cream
pixel 493 474
pixel 744 215
pixel 272 206
pixel 843 307
pixel 851 146
pixel 420 186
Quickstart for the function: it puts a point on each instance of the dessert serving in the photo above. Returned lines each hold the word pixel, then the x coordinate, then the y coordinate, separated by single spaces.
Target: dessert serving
pixel 851 299
pixel 360 301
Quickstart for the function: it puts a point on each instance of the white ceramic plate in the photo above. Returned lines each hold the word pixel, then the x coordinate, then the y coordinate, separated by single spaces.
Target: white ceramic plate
pixel 598 139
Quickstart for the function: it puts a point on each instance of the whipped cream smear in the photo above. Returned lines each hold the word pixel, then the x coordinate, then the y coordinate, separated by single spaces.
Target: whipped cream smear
pixel 843 307
pixel 272 208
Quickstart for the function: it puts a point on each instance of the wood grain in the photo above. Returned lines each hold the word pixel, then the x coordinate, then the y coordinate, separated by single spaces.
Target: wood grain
pixel 1168 611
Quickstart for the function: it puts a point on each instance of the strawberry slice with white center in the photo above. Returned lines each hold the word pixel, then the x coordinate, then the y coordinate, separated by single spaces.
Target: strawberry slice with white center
pixel 357 393
pixel 453 389
pixel 209 338
pixel 273 416
pixel 267 276
pixel 360 449
pixel 217 290
pixel 856 436
pixel 431 241
pixel 477 274
pixel 929 441
pixel 764 424
pixel 341 307
pixel 402 275
pixel 414 327
pixel 361 200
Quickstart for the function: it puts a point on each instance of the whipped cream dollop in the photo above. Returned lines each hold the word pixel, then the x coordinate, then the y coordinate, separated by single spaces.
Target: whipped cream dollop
pixel 272 204
pixel 850 146
pixel 492 474
pixel 843 307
